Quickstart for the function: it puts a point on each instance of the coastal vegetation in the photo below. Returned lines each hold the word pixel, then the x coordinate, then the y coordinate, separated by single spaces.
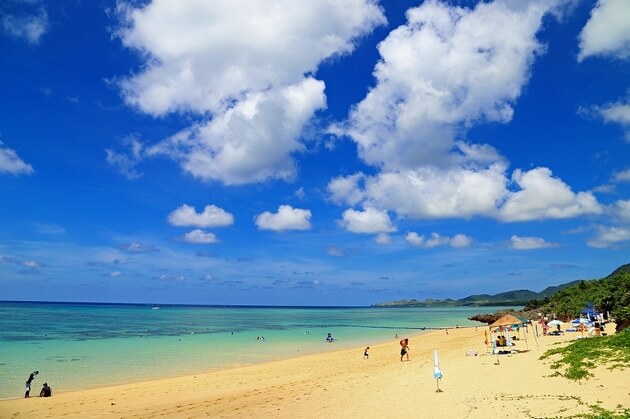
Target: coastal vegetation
pixel 578 359
pixel 609 295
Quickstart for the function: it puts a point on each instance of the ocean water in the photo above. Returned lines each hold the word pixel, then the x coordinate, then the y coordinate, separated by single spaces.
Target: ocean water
pixel 78 346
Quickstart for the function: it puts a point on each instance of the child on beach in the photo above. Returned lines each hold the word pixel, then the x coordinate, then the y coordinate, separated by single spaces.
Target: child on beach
pixel 365 353
pixel 404 350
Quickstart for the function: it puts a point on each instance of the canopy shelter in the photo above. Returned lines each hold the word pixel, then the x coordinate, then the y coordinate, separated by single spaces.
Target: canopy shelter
pixel 504 323
pixel 507 320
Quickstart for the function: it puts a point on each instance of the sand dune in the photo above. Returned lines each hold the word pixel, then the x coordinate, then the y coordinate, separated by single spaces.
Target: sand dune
pixel 343 384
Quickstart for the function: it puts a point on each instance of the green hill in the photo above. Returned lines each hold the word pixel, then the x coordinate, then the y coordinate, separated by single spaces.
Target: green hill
pixel 508 298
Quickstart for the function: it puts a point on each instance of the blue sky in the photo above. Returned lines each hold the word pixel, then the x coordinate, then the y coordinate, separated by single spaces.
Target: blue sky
pixel 333 152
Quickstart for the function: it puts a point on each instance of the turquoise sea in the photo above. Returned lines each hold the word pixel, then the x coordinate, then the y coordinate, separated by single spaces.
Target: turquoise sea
pixel 77 345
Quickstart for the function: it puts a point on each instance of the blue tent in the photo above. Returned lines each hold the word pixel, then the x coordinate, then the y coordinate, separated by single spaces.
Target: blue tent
pixel 589 311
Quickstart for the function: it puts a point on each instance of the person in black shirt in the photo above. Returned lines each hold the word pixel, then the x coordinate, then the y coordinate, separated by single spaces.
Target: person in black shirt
pixel 46 391
pixel 28 383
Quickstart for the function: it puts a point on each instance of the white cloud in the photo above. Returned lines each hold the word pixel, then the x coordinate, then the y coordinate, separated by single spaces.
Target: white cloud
pixel 28 23
pixel 607 32
pixel 126 162
pixel 609 236
pixel 368 221
pixel 383 238
pixel 212 216
pixel 414 239
pixel 529 243
pixel 115 274
pixel 249 88
pixel 11 163
pixel 334 251
pixel 621 210
pixel 346 189
pixel 198 236
pixel 623 176
pixel 435 240
pixel 461 240
pixel 287 218
pixel 445 69
pixel 616 112
pixel 135 247
pixel 427 193
pixel 542 196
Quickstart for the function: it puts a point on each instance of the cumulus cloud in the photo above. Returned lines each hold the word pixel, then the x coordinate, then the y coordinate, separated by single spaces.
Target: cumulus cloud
pixel 212 216
pixel 609 236
pixel 286 218
pixel 24 20
pixel 135 247
pixel 435 240
pixel 368 221
pixel 226 63
pixel 529 243
pixel 623 176
pixel 115 274
pixel 198 236
pixel 542 196
pixel 607 32
pixel 445 69
pixel 11 163
pixel 430 193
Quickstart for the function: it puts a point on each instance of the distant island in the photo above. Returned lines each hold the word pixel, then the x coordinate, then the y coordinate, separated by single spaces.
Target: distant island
pixel 610 295
pixel 508 298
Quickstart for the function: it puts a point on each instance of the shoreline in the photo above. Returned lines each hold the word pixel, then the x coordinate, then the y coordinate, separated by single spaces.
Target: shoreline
pixel 342 382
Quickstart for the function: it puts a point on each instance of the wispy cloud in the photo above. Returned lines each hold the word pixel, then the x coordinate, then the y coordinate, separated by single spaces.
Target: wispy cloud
pixel 436 240
pixel 529 243
pixel 135 247
pixel 11 163
pixel 26 20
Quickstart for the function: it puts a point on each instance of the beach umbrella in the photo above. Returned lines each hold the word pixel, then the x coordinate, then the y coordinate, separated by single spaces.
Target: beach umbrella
pixel 437 373
pixel 555 323
pixel 507 320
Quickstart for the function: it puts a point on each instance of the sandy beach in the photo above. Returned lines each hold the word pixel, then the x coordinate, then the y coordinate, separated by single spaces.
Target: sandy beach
pixel 344 384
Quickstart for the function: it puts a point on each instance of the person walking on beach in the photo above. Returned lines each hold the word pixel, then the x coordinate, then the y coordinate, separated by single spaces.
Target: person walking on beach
pixel 404 349
pixel 28 383
pixel 366 355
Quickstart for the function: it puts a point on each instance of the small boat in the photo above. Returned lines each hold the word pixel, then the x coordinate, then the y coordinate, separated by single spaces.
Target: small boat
pixel 155 308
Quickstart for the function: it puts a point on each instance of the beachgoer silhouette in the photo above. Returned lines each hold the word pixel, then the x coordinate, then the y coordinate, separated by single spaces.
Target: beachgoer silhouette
pixel 366 355
pixel 329 338
pixel 404 349
pixel 28 383
pixel 46 391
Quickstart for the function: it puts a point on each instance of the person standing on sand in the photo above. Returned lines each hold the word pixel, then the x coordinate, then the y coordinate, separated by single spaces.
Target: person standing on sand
pixel 404 350
pixel 366 355
pixel 28 383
